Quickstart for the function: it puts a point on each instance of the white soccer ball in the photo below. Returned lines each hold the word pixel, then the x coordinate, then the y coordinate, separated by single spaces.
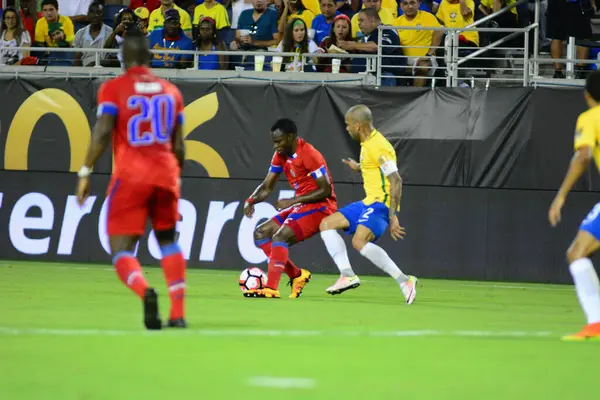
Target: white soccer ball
pixel 252 279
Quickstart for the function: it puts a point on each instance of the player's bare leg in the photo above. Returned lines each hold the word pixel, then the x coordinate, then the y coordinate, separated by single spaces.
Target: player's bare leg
pixel 130 272
pixel 362 242
pixel 586 283
pixel 173 265
pixel 337 250
pixel 263 237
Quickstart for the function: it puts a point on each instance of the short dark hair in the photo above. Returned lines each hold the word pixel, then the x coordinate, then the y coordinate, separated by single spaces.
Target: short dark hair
pixel 592 85
pixel 95 4
pixel 371 13
pixel 285 125
pixel 50 3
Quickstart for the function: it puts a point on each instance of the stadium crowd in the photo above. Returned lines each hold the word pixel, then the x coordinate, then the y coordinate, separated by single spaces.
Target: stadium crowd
pixel 342 27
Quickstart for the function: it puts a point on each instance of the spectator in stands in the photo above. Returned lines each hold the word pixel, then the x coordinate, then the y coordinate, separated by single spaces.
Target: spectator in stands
pixel 322 22
pixel 261 23
pixel 30 15
pixel 313 6
pixel 143 15
pixel 92 36
pixel 77 10
pixel 424 5
pixel 569 19
pixel 126 19
pixel 151 5
pixel 341 31
pixel 505 20
pixel 171 37
pixel 237 7
pixel 390 5
pixel 368 21
pixel 157 17
pixel 294 9
pixel 295 40
pixel 207 41
pixel 420 60
pixel 458 14
pixel 53 30
pixel 213 10
pixel 385 16
pixel 13 34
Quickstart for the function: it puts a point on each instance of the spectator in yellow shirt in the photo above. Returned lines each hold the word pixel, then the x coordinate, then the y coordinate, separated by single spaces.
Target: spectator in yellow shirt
pixel 53 30
pixel 419 59
pixel 213 10
pixel 294 9
pixel 458 14
pixel 385 16
pixel 143 15
pixel 505 20
pixel 157 17
pixel 391 5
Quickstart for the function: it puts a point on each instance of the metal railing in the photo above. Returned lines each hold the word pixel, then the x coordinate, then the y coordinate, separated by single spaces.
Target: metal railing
pixel 454 63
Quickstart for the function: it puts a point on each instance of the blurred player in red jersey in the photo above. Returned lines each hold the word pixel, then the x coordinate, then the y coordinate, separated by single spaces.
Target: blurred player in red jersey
pixel 144 114
pixel 299 219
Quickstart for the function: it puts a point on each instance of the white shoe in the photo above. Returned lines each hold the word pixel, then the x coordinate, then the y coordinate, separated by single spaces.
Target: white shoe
pixel 344 283
pixel 409 289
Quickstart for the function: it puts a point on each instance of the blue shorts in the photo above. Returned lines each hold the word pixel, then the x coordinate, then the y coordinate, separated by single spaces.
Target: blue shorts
pixel 591 223
pixel 375 216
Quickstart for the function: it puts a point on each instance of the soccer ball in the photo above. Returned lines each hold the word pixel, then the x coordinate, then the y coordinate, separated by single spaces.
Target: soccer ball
pixel 252 279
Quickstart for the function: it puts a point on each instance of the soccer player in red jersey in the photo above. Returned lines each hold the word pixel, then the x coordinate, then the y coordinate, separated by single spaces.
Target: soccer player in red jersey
pixel 299 217
pixel 144 114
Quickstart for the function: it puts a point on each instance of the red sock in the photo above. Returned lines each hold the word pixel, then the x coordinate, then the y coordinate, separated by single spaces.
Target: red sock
pixel 173 265
pixel 290 269
pixel 130 272
pixel 277 262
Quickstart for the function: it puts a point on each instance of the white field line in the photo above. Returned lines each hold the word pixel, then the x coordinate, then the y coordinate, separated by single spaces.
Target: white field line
pixel 282 382
pixel 8 331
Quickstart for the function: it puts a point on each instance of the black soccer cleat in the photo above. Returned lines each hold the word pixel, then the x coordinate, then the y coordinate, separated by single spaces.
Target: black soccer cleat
pixel 177 323
pixel 151 316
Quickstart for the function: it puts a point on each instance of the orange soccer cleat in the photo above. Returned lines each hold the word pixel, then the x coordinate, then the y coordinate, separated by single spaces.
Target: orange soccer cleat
pixel 266 293
pixel 589 332
pixel 298 283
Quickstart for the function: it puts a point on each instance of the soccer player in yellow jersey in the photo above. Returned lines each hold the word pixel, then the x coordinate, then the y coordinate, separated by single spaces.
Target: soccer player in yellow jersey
pixel 587 240
pixel 368 219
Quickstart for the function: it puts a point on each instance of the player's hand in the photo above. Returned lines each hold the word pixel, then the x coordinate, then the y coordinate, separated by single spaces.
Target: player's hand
pixel 284 203
pixel 248 209
pixel 555 209
pixel 354 166
pixel 396 230
pixel 83 190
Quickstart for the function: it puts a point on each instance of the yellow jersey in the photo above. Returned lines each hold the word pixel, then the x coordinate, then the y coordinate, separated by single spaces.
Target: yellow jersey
pixel 451 17
pixel 306 15
pixel 390 5
pixel 414 37
pixel 313 6
pixel 490 4
pixel 157 20
pixel 216 12
pixel 43 36
pixel 385 16
pixel 373 151
pixel 588 132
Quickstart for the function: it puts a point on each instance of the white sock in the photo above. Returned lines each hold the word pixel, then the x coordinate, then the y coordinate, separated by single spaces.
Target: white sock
pixel 587 288
pixel 337 250
pixel 379 257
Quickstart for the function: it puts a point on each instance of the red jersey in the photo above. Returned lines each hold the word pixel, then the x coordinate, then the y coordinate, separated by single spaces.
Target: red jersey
pixel 302 169
pixel 29 25
pixel 147 110
pixel 151 5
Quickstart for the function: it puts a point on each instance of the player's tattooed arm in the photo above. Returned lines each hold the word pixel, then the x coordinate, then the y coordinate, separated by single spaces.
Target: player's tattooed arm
pixel 395 192
pixel 579 164
pixel 260 193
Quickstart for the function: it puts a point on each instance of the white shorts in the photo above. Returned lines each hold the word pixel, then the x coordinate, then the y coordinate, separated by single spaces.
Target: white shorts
pixel 412 61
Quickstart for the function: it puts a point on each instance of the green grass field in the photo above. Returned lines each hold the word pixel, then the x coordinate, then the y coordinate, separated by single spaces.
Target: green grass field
pixel 74 332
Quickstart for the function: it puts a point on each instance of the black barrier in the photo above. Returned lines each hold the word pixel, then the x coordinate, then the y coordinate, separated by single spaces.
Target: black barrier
pixel 517 138
pixel 460 233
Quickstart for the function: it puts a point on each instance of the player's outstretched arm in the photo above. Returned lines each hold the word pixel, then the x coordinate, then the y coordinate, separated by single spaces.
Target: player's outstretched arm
pixel 353 164
pixel 321 193
pixel 179 145
pixel 260 193
pixel 579 163
pixel 100 140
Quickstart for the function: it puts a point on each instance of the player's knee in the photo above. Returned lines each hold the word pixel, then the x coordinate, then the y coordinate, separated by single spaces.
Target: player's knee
pixel 282 236
pixel 261 232
pixel 575 252
pixel 165 236
pixel 359 242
